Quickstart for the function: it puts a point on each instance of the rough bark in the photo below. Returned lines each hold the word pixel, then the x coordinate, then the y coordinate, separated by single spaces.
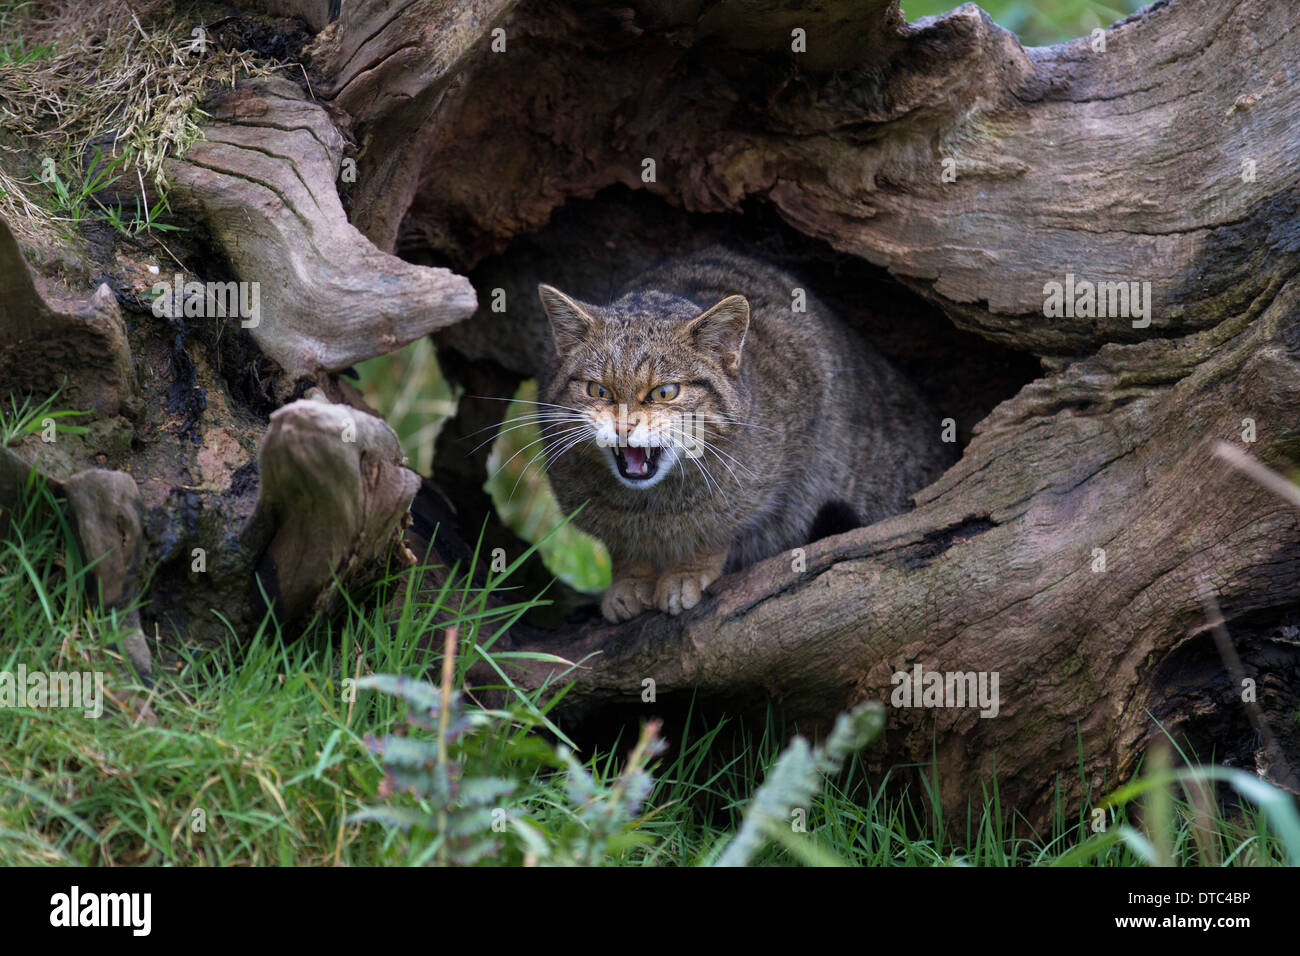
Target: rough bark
pixel 40 340
pixel 1159 159
pixel 388 64
pixel 179 472
pixel 263 181
pixel 222 516
pixel 334 490
pixel 1125 164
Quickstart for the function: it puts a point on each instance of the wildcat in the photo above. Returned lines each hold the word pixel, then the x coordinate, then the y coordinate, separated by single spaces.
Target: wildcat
pixel 707 425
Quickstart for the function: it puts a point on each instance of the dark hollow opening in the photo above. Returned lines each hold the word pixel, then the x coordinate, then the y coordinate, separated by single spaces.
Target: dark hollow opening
pixel 592 246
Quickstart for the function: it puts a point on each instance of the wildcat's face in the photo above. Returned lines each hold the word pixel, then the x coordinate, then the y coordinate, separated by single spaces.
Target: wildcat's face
pixel 646 385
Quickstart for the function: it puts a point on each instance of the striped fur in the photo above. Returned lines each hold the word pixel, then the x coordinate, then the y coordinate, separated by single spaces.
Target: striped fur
pixel 788 412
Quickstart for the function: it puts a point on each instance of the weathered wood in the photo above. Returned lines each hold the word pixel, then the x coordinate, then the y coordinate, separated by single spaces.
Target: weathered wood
pixel 1124 165
pixel 389 64
pixel 335 491
pixel 1159 159
pixel 161 402
pixel 997 570
pixel 47 335
pixel 109 516
pixel 263 180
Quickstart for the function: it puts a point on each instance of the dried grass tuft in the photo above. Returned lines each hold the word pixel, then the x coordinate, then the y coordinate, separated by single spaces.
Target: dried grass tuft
pixel 125 75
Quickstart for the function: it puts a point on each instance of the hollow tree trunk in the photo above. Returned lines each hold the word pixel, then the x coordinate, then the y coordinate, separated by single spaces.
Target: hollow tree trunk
pixel 1157 154
pixel 1068 550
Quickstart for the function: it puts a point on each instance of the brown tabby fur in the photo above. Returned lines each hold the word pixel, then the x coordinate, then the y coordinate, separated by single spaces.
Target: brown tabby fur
pixel 796 410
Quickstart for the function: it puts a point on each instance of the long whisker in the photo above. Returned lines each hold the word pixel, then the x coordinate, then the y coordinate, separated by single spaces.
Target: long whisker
pixel 723 463
pixel 524 470
pixel 522 401
pixel 492 438
pixel 568 431
pixel 542 415
pixel 708 479
pixel 720 420
pixel 546 463
pixel 709 446
pixel 701 467
pixel 564 449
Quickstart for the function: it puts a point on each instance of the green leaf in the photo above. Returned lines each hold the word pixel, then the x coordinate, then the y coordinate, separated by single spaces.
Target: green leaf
pixel 404 751
pixel 478 791
pixel 401 817
pixel 418 693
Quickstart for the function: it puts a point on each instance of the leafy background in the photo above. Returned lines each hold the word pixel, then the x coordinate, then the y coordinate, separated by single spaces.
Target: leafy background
pixel 1038 22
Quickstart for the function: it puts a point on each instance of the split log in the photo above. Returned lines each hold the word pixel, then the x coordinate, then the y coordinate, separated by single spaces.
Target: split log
pixel 1065 550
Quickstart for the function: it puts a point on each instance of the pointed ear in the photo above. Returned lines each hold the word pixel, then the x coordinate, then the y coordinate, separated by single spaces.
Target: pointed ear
pixel 720 332
pixel 570 323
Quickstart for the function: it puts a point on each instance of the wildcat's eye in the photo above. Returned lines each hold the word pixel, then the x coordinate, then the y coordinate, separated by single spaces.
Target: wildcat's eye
pixel 596 390
pixel 665 393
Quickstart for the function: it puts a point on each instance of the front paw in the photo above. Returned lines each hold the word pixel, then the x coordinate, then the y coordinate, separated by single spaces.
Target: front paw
pixel 679 591
pixel 626 598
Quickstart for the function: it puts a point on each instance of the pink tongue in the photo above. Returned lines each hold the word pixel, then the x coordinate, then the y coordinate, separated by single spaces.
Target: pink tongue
pixel 636 460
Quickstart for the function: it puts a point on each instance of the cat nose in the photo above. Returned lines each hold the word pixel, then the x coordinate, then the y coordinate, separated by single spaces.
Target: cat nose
pixel 629 423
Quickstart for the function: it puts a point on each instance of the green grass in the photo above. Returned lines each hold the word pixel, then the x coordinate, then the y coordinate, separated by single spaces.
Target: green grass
pixel 26 418
pixel 20 51
pixel 260 740
pixel 72 198
pixel 260 744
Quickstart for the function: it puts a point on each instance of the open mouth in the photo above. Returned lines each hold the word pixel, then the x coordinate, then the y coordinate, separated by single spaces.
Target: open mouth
pixel 636 464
